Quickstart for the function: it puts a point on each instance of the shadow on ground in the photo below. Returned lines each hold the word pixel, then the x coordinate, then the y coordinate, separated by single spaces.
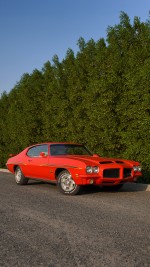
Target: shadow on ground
pixel 90 189
pixel 128 187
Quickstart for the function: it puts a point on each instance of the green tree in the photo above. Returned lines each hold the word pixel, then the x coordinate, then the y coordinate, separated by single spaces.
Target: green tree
pixel 100 97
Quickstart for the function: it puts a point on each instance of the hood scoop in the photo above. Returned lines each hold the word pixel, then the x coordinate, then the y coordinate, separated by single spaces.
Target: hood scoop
pixel 110 162
pixel 106 162
pixel 119 161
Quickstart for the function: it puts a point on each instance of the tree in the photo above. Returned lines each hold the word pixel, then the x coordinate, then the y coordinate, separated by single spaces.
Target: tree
pixel 100 97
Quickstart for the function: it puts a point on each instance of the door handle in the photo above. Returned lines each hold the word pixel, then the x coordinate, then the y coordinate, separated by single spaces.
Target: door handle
pixel 29 160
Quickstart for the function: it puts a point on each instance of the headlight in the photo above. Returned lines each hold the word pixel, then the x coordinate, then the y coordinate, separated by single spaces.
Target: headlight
pixel 137 168
pixel 95 169
pixel 89 169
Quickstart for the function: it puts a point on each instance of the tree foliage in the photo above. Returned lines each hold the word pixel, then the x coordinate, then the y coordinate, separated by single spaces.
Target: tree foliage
pixel 99 97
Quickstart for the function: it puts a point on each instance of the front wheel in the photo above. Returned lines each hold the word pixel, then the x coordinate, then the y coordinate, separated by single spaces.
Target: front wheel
pixel 66 184
pixel 19 177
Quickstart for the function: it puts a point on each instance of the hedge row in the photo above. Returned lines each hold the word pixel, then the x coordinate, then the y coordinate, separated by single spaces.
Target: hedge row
pixel 99 97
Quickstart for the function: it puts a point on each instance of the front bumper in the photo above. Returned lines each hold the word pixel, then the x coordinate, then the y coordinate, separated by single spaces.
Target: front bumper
pixel 99 179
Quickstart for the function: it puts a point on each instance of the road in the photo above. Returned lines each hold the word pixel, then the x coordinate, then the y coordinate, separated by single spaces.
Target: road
pixel 41 227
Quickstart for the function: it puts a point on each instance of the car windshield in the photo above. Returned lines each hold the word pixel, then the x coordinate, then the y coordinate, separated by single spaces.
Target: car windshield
pixel 69 149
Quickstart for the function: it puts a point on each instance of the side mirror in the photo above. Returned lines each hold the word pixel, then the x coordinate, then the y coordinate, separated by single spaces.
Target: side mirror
pixel 43 154
pixel 95 155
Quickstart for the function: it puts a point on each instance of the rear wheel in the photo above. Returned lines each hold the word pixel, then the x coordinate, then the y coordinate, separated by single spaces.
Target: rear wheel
pixel 19 177
pixel 66 184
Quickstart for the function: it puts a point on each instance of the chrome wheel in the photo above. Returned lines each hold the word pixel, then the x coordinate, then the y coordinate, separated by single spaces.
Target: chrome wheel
pixel 66 184
pixel 18 175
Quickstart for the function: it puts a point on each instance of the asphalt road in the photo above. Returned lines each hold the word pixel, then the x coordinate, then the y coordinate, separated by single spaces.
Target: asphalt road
pixel 41 227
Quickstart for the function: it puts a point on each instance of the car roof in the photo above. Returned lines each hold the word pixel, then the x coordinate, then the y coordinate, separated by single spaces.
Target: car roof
pixel 55 143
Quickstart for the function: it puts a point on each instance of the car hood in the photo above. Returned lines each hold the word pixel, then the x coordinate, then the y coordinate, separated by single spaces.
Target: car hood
pixel 92 160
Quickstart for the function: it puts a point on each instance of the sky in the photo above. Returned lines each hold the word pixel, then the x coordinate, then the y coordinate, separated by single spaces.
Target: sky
pixel 33 31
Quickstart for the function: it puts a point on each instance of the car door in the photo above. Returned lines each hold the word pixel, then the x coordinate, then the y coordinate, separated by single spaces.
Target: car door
pixel 37 162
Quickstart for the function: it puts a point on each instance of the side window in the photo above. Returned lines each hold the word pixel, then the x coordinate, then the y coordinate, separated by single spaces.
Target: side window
pixel 36 150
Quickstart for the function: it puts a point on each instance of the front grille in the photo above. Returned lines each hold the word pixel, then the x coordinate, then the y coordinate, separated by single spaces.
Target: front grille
pixel 127 172
pixel 111 173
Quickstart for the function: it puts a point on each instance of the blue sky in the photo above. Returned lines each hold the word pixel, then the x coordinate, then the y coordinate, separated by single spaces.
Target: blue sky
pixel 33 31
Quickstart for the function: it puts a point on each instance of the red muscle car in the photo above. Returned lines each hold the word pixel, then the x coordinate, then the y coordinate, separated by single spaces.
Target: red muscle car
pixel 71 166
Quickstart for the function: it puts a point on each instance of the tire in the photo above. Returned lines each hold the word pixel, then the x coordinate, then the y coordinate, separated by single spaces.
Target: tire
pixel 66 184
pixel 19 177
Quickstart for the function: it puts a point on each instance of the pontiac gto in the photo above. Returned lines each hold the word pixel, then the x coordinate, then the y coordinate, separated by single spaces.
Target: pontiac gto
pixel 71 166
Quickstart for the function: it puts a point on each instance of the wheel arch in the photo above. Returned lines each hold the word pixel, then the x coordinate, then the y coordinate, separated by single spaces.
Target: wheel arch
pixel 15 166
pixel 59 170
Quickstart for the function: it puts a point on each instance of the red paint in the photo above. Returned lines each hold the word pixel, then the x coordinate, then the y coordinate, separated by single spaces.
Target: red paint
pixel 45 166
